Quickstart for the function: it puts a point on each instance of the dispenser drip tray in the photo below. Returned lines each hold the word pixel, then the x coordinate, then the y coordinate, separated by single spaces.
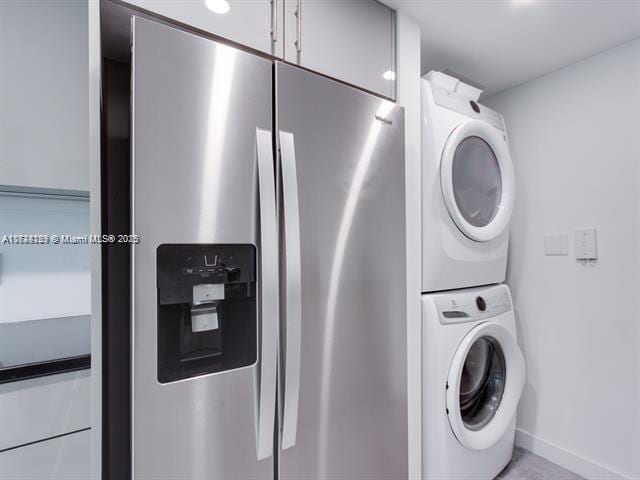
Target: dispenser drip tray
pixel 205 354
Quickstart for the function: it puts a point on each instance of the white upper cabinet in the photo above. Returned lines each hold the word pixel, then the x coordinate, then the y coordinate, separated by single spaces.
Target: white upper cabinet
pixel 252 23
pixel 44 96
pixel 350 40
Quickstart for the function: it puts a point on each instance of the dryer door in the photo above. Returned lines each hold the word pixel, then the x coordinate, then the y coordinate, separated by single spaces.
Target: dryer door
pixel 485 382
pixel 477 180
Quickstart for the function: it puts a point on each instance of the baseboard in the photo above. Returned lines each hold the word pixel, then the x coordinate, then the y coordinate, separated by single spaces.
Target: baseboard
pixel 558 455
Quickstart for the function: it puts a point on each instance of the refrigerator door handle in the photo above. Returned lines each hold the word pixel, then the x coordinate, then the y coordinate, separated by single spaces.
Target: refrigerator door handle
pixel 293 297
pixel 268 295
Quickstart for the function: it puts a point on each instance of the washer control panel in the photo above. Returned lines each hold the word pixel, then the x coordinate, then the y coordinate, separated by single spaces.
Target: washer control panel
pixel 473 304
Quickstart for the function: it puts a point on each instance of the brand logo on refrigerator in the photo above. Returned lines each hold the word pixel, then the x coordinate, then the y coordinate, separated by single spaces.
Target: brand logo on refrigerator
pixel 384 120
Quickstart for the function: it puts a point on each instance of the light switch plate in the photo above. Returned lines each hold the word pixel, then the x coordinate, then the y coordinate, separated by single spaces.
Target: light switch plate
pixel 586 244
pixel 556 244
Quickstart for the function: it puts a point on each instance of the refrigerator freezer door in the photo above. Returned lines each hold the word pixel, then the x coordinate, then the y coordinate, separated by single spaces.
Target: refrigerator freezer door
pixel 348 150
pixel 202 174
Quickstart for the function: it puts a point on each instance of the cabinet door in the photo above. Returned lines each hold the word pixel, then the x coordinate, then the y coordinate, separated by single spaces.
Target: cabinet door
pixel 350 40
pixel 63 458
pixel 252 23
pixel 44 96
pixel 44 407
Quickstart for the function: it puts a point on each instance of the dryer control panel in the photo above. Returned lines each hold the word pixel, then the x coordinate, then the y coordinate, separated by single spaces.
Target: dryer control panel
pixel 466 106
pixel 473 304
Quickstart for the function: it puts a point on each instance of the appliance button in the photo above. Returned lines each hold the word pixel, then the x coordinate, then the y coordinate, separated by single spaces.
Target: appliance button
pixel 233 273
pixel 474 106
pixel 482 305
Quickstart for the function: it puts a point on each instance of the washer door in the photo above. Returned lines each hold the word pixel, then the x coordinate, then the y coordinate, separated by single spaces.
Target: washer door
pixel 485 382
pixel 477 180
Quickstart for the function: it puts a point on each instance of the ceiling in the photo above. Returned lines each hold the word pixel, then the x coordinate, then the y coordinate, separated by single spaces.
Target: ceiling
pixel 498 44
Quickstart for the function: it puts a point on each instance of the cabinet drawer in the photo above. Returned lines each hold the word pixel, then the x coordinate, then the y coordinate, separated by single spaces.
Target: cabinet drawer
pixel 32 410
pixel 62 458
pixel 350 40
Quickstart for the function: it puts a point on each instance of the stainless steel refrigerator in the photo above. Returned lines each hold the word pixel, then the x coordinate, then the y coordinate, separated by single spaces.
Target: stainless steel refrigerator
pixel 268 287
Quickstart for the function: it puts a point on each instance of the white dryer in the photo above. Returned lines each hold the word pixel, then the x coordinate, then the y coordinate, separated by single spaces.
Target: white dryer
pixel 468 187
pixel 473 376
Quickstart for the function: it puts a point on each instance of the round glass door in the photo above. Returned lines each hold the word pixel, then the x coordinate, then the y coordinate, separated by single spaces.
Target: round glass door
pixel 477 180
pixel 484 385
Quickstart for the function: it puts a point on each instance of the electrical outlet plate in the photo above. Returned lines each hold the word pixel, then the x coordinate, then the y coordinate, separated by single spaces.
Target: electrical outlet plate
pixel 586 244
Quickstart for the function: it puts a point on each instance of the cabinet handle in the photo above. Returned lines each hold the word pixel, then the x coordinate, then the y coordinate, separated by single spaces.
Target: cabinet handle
pixel 274 20
pixel 298 14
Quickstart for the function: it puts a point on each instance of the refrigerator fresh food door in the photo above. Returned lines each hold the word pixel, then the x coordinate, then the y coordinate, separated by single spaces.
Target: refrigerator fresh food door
pixel 205 273
pixel 344 412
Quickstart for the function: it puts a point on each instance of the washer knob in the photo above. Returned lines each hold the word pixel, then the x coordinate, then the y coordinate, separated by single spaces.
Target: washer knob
pixel 481 303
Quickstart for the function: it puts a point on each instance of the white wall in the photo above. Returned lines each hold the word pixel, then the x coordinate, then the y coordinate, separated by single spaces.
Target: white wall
pixel 49 280
pixel 575 141
pixel 45 296
pixel 408 94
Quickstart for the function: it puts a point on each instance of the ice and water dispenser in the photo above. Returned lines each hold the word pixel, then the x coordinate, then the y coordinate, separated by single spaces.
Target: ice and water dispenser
pixel 207 315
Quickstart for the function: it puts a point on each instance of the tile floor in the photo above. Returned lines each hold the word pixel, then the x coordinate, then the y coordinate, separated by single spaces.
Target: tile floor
pixel 527 466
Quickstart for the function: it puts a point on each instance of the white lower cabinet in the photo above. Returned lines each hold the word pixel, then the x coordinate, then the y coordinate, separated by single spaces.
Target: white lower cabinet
pixel 32 410
pixel 63 458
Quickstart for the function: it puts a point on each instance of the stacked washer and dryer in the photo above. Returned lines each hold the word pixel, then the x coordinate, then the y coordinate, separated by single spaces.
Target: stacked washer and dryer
pixel 473 370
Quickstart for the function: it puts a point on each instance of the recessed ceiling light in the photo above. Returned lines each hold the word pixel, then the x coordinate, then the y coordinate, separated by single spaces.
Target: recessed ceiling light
pixel 217 6
pixel 389 75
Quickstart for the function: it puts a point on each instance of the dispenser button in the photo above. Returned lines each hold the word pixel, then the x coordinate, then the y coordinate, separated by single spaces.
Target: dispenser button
pixel 204 318
pixel 187 271
pixel 233 273
pixel 206 293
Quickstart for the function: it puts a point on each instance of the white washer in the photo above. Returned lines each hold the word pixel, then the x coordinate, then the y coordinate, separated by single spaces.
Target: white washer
pixel 473 376
pixel 468 187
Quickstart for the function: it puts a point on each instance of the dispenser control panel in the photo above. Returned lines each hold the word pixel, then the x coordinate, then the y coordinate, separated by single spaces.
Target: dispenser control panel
pixel 191 264
pixel 180 267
